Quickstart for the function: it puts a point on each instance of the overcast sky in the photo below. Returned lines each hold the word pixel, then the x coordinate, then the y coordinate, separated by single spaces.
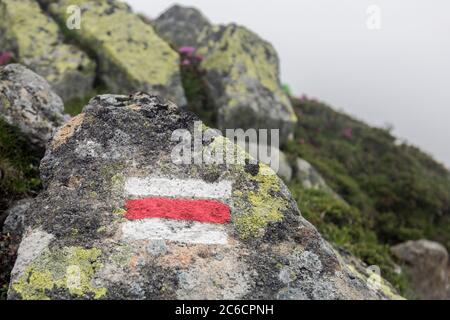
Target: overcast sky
pixel 398 74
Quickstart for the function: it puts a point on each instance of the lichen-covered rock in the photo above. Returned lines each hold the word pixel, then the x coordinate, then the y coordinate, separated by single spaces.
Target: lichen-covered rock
pixel 35 40
pixel 93 233
pixel 181 26
pixel 28 102
pixel 426 264
pixel 131 56
pixel 242 71
pixel 368 274
pixel 273 157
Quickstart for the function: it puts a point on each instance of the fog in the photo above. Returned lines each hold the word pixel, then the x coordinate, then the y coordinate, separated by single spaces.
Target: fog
pixel 398 74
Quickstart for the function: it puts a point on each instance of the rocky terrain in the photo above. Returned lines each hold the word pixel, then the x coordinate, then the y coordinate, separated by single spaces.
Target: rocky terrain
pixel 79 195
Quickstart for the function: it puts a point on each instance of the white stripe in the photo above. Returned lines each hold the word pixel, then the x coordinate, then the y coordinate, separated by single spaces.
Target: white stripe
pixel 189 188
pixel 174 230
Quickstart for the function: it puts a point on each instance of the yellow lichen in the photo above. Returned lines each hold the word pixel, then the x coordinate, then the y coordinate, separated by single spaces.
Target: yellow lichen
pixel 266 206
pixel 36 40
pixel 119 212
pixel 71 268
pixel 238 53
pixel 122 42
pixel 383 288
pixel 33 284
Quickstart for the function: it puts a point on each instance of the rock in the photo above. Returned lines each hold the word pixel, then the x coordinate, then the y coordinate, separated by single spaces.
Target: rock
pixel 275 158
pixel 310 178
pixel 425 263
pixel 181 26
pixel 130 55
pixel 36 42
pixel 92 232
pixel 242 72
pixel 371 275
pixel 28 102
pixel 15 218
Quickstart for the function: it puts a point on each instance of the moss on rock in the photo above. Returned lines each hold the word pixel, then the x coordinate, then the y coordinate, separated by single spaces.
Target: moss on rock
pixel 131 56
pixel 36 42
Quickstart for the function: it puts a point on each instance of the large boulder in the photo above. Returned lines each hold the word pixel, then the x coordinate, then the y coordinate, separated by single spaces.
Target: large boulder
pixel 125 214
pixel 131 56
pixel 242 72
pixel 35 40
pixel 426 265
pixel 28 102
pixel 10 238
pixel 181 26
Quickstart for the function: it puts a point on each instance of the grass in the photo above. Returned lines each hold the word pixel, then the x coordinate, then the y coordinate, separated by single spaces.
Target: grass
pixel 19 178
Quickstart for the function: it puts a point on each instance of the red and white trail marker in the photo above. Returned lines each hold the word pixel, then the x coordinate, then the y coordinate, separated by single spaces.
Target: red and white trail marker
pixel 180 210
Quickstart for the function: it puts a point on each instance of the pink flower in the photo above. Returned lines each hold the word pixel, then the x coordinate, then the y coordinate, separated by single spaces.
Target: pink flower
pixel 348 133
pixel 189 51
pixel 5 57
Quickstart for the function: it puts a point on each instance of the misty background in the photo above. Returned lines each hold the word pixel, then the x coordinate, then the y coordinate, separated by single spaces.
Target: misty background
pixel 397 75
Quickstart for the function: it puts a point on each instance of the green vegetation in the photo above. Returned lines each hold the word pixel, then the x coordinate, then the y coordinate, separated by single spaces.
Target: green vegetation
pixel 196 93
pixel 345 226
pixel 19 178
pixel 19 166
pixel 395 191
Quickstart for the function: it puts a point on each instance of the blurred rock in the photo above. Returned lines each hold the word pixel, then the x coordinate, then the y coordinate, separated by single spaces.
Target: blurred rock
pixel 85 239
pixel 130 55
pixel 27 101
pixel 242 72
pixel 426 264
pixel 36 42
pixel 181 26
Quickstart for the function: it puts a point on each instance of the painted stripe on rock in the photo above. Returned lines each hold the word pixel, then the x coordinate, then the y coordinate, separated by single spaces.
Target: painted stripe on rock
pixel 174 230
pixel 210 211
pixel 180 188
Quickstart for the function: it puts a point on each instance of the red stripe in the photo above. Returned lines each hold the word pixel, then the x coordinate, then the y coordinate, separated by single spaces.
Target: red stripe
pixel 210 211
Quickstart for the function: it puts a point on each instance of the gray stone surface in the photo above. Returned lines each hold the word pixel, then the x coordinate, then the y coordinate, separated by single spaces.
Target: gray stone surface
pixel 27 101
pixel 181 26
pixel 76 227
pixel 131 56
pixel 426 264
